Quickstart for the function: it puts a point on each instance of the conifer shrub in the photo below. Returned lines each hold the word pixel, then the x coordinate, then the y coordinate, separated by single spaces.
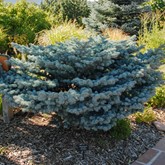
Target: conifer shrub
pixel 63 10
pixel 89 84
pixel 122 129
pixel 61 33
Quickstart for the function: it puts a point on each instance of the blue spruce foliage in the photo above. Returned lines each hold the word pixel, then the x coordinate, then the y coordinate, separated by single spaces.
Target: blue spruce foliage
pixel 120 14
pixel 89 84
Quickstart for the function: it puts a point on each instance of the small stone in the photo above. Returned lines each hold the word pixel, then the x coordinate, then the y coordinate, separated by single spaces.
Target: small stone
pixel 2 163
pixel 26 153
pixel 68 158
pixel 159 125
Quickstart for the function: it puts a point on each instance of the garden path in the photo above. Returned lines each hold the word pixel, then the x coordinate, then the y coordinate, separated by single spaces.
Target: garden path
pixel 154 156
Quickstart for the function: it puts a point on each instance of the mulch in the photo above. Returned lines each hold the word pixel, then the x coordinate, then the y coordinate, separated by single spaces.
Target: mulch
pixel 36 140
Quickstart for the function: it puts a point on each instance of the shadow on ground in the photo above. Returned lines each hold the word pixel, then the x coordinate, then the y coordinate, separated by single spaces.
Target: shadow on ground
pixel 36 140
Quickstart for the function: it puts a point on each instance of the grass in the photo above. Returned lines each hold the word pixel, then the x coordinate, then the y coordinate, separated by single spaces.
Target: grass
pixel 152 33
pixel 61 33
pixel 115 34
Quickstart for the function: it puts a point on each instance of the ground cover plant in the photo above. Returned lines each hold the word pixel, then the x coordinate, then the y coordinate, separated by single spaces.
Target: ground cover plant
pixel 90 84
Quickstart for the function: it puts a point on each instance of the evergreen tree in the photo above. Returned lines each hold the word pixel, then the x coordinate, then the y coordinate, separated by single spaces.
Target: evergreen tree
pixel 115 14
pixel 90 84
pixel 67 9
pixel 52 6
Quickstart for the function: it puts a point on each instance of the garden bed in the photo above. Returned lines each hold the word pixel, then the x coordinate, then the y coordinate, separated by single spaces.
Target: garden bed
pixel 34 139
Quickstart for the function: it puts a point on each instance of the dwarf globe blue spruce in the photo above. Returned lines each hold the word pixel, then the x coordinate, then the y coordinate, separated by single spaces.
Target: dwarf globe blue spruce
pixel 89 84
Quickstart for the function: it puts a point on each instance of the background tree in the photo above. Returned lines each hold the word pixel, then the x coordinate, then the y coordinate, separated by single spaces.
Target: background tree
pixel 156 5
pixel 115 14
pixel 67 9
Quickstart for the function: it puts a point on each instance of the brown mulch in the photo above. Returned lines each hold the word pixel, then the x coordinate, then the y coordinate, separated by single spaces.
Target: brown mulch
pixel 35 140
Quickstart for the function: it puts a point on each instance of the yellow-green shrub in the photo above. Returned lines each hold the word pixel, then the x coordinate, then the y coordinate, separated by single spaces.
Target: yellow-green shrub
pixel 22 21
pixel 158 101
pixel 147 116
pixel 152 33
pixel 61 33
pixel 3 40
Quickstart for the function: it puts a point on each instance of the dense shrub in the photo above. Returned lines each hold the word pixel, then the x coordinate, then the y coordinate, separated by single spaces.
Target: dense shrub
pixel 156 4
pixel 22 20
pixel 90 84
pixel 115 14
pixel 62 33
pixel 3 40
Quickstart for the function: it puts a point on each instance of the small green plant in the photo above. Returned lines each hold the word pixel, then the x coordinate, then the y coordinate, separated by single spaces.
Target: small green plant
pixel 62 33
pixel 158 101
pixel 122 130
pixel 148 116
pixel 3 150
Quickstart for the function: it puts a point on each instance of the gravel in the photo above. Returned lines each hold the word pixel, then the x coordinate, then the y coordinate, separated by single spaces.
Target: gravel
pixel 34 140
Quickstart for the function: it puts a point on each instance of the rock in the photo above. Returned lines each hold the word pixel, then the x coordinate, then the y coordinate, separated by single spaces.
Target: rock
pixel 159 125
pixel 68 158
pixel 2 163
